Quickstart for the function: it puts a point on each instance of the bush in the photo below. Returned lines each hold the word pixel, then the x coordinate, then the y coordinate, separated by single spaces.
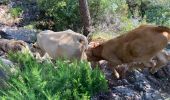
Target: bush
pixel 101 9
pixel 158 12
pixel 16 11
pixel 153 11
pixel 47 81
pixel 108 15
pixel 59 15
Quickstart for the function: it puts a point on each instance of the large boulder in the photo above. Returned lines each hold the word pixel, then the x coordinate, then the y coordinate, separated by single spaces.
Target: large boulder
pixel 7 46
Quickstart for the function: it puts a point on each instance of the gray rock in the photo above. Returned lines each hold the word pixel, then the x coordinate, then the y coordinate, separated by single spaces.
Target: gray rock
pixel 26 35
pixel 4 35
pixel 152 95
pixel 138 85
pixel 125 93
pixel 7 69
pixel 6 62
pixel 141 86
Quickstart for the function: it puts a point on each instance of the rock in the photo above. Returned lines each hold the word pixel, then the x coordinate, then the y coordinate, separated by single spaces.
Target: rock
pixel 7 62
pixel 4 35
pixel 7 69
pixel 135 76
pixel 3 10
pixel 167 70
pixel 125 93
pixel 26 35
pixel 6 17
pixel 152 95
pixel 30 11
pixel 160 74
pixel 138 85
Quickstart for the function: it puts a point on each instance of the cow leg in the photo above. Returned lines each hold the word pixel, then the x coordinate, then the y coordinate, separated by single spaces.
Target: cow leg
pixel 161 59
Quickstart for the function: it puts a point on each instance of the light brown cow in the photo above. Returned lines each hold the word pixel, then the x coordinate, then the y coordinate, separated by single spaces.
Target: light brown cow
pixel 139 45
pixel 67 44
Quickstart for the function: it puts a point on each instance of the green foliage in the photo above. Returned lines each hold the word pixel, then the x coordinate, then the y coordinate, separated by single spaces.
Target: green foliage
pixel 30 26
pixel 98 8
pixel 101 9
pixel 110 15
pixel 153 11
pixel 16 11
pixel 59 14
pixel 127 25
pixel 158 12
pixel 63 14
pixel 107 15
pixel 62 80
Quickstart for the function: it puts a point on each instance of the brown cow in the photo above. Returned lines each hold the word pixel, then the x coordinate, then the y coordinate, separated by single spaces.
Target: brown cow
pixel 139 45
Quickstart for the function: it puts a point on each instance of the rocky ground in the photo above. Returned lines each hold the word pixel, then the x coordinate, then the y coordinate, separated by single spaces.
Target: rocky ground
pixel 138 85
pixel 14 27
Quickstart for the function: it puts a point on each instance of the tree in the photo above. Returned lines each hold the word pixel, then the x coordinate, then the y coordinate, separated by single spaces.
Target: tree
pixel 85 16
pixel 134 6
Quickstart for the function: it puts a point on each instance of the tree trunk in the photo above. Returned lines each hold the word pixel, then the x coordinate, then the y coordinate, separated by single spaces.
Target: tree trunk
pixel 85 16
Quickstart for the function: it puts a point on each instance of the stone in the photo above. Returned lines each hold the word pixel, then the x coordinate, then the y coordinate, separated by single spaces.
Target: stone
pixel 26 35
pixel 152 95
pixel 7 68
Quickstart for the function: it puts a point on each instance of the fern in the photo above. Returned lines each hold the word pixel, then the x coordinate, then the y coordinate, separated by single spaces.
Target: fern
pixel 62 80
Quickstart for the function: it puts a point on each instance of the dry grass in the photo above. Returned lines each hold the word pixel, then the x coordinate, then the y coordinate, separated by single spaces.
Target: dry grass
pixel 101 36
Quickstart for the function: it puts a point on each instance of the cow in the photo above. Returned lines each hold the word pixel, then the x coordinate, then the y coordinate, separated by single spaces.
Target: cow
pixel 139 45
pixel 64 44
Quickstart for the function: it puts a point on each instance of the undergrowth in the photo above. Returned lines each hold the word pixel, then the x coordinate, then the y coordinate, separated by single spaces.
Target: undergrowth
pixel 16 12
pixel 62 80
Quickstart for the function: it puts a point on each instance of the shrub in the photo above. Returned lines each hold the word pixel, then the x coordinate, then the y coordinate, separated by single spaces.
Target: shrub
pixel 59 14
pixel 153 11
pixel 158 13
pixel 63 14
pixel 62 80
pixel 108 15
pixel 16 11
pixel 101 9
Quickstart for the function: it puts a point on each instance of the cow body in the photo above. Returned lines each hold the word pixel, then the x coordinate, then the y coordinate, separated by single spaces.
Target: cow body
pixel 138 45
pixel 64 44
